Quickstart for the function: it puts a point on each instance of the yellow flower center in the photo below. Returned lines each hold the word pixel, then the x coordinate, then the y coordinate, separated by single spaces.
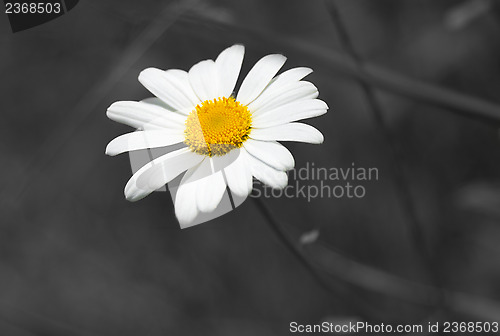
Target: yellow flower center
pixel 217 126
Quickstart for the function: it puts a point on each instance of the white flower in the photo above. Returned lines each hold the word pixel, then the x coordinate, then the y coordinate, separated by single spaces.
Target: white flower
pixel 226 140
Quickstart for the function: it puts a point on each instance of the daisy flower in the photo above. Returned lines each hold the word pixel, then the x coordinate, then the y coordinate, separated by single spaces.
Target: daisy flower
pixel 225 140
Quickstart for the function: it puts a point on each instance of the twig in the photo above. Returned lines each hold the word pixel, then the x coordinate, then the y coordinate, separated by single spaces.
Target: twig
pixel 203 27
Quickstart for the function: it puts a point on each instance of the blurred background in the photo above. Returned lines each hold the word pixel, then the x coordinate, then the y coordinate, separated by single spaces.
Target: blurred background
pixel 423 245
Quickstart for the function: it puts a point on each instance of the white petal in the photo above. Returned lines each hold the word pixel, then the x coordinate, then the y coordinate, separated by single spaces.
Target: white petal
pixel 205 191
pixel 158 172
pixel 215 164
pixel 221 162
pixel 203 79
pixel 185 201
pixel 259 77
pixel 181 79
pixel 294 111
pixel 145 116
pixel 239 177
pixel 289 132
pixel 273 98
pixel 271 153
pixel 143 139
pixel 170 87
pixel 156 101
pixel 289 76
pixel 284 79
pixel 228 66
pixel 268 175
pixel 209 191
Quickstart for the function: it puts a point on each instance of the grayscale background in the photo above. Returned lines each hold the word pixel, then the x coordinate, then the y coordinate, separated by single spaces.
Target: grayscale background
pixel 77 259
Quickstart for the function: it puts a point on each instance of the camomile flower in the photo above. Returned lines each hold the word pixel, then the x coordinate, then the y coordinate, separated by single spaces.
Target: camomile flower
pixel 225 140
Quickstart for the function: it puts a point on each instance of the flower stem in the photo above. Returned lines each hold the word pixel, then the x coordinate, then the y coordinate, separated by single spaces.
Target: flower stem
pixel 356 304
pixel 287 241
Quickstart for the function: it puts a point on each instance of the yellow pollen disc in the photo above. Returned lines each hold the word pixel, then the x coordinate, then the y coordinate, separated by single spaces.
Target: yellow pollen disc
pixel 217 126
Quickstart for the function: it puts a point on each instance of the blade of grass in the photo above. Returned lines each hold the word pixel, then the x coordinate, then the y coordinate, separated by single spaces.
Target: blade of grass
pixel 377 280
